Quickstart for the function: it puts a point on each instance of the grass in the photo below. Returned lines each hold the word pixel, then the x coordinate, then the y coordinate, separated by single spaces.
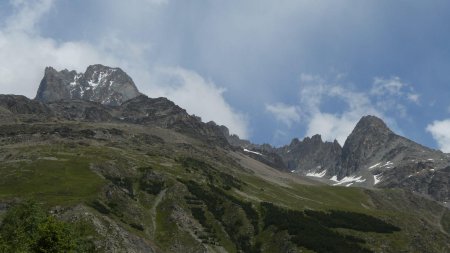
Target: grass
pixel 63 181
pixel 306 196
pixel 64 177
pixel 167 230
pixel 446 221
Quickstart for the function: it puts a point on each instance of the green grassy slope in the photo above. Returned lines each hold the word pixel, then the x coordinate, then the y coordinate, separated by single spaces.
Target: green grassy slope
pixel 186 196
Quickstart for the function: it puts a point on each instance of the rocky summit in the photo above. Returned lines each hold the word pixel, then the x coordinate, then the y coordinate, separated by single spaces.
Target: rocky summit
pixel 105 85
pixel 92 165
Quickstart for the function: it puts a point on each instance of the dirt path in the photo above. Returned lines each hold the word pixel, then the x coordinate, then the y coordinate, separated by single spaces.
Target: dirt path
pixel 153 211
pixel 441 216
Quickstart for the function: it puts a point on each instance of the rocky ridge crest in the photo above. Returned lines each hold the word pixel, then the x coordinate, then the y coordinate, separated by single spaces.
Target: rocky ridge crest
pixel 102 84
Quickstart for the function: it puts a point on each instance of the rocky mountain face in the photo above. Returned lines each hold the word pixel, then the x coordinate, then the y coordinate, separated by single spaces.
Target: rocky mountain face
pixel 105 85
pixel 368 142
pixel 384 159
pixel 311 154
pixel 166 114
pixel 108 94
pixel 141 110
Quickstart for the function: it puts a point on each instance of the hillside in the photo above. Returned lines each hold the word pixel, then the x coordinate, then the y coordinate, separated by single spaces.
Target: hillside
pixel 145 176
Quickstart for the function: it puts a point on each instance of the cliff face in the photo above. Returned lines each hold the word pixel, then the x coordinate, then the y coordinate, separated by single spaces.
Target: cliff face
pixel 368 140
pixel 311 154
pixel 105 85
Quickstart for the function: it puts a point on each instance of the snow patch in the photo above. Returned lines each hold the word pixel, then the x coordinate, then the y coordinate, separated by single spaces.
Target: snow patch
pixel 346 180
pixel 253 152
pixel 376 179
pixel 320 174
pixel 100 79
pixel 388 164
pixel 347 185
pixel 75 80
pixel 374 166
pixel 92 84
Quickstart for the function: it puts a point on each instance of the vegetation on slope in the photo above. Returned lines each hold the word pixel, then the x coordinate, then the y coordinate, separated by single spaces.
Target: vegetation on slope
pixel 28 228
pixel 190 197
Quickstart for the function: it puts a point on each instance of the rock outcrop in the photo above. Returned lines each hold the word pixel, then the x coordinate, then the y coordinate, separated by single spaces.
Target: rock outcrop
pixel 105 85
pixel 311 154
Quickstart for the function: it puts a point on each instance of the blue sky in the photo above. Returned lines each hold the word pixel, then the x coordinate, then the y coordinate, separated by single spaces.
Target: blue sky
pixel 269 70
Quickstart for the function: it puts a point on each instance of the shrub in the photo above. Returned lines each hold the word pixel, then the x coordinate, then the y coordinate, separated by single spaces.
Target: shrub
pixel 350 220
pixel 307 232
pixel 28 228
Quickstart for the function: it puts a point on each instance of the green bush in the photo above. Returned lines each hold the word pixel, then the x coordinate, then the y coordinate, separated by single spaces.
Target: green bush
pixel 308 232
pixel 151 182
pixel 350 220
pixel 251 213
pixel 216 202
pixel 213 175
pixel 199 214
pixel 28 228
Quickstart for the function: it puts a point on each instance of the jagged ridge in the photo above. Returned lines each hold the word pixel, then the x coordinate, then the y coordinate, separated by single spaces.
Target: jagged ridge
pixel 105 85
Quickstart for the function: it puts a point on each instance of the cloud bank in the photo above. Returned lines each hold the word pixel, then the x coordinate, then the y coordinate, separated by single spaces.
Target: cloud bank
pixel 386 96
pixel 197 95
pixel 25 53
pixel 440 130
pixel 284 113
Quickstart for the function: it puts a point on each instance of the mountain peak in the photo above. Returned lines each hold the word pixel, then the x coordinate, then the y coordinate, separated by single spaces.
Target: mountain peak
pixel 370 137
pixel 102 84
pixel 49 70
pixel 370 122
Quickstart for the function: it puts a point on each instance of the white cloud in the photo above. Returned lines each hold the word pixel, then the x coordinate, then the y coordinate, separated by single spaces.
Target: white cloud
pixel 27 14
pixel 391 86
pixel 24 58
pixel 25 53
pixel 337 125
pixel 314 92
pixel 414 97
pixel 440 130
pixel 198 96
pixel 393 89
pixel 339 121
pixel 284 113
pixel 332 126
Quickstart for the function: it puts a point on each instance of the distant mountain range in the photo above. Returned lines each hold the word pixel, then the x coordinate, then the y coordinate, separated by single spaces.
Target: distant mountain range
pixel 372 156
pixel 149 177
